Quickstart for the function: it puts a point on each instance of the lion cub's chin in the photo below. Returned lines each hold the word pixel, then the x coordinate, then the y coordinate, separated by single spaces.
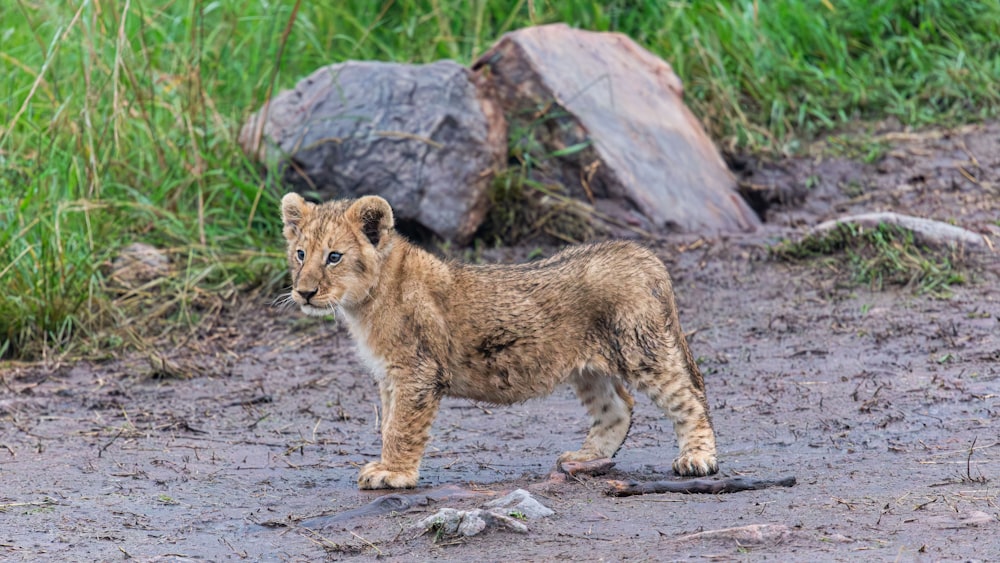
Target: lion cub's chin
pixel 313 311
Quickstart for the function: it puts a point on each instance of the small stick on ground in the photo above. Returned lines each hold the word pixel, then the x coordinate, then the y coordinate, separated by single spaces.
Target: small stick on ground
pixel 968 460
pixel 691 486
pixel 370 544
pixel 100 452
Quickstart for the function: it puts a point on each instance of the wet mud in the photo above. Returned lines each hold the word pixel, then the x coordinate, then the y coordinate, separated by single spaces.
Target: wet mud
pixel 884 405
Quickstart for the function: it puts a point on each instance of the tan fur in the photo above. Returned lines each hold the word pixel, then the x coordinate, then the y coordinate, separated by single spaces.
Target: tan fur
pixel 600 317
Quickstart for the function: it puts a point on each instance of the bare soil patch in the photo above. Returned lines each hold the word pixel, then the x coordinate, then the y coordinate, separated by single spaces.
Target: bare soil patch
pixel 884 405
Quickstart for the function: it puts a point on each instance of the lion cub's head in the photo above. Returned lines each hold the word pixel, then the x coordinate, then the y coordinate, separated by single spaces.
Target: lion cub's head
pixel 335 250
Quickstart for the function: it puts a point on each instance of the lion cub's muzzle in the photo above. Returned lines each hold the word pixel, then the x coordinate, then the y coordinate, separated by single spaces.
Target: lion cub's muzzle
pixel 310 305
pixel 306 294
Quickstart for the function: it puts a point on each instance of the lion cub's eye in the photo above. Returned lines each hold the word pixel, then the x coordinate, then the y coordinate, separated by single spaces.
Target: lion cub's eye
pixel 334 258
pixel 300 254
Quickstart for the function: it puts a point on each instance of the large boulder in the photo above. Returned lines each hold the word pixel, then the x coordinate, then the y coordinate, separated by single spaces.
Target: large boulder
pixel 614 116
pixel 422 136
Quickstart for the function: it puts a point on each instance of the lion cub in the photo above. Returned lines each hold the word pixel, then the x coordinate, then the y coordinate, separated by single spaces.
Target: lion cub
pixel 600 317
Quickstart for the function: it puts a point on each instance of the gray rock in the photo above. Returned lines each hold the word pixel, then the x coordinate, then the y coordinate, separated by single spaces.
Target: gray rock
pixel 645 160
pixel 454 522
pixel 503 512
pixel 520 501
pixel 422 136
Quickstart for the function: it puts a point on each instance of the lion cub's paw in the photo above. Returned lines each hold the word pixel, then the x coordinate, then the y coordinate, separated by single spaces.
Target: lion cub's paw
pixel 375 476
pixel 579 455
pixel 696 464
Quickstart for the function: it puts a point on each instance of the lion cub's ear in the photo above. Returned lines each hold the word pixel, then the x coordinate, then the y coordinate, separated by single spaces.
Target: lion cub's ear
pixel 293 210
pixel 374 216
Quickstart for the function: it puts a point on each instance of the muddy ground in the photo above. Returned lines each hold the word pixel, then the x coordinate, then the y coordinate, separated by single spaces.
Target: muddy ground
pixel 885 405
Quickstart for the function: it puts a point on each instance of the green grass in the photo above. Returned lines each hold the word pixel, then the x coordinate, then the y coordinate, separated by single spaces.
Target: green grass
pixel 883 256
pixel 118 118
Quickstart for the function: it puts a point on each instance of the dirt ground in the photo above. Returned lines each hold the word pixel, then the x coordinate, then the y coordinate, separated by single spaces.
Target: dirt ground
pixel 885 405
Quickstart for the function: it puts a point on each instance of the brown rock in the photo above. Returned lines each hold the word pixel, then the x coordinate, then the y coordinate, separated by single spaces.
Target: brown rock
pixel 422 136
pixel 647 161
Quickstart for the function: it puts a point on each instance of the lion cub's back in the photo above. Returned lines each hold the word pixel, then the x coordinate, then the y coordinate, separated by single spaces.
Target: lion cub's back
pixel 602 271
pixel 568 290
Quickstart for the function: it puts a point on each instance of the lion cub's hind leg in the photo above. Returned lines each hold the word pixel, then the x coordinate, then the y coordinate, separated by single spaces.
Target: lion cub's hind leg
pixel 610 406
pixel 675 385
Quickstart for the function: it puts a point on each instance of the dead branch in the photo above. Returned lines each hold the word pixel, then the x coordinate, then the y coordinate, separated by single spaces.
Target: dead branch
pixel 692 486
pixel 927 231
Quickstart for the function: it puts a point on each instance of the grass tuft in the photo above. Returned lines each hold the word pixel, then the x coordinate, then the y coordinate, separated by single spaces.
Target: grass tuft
pixel 531 198
pixel 884 256
pixel 118 118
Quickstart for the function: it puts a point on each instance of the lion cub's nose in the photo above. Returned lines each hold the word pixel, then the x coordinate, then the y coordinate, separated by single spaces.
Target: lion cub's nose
pixel 307 294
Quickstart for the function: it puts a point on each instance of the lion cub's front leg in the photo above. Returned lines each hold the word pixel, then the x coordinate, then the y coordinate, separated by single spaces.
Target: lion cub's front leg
pixel 408 410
